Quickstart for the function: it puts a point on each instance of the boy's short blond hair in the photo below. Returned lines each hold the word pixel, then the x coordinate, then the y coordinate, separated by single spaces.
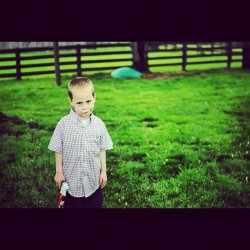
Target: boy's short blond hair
pixel 79 82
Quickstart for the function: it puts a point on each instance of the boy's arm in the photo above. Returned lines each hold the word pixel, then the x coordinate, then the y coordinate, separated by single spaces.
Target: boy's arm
pixel 59 174
pixel 103 174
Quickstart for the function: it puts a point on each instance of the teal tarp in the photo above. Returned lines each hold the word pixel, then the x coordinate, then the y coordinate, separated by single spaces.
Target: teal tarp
pixel 125 72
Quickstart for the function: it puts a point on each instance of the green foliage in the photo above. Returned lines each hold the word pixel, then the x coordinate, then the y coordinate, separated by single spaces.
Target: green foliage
pixel 179 142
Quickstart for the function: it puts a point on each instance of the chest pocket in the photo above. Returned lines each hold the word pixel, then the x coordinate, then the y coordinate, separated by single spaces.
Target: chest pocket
pixel 94 143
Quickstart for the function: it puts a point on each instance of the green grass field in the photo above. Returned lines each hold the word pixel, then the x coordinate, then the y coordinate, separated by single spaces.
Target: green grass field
pixel 179 142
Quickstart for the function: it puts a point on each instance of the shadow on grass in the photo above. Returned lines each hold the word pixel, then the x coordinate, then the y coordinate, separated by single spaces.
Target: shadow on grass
pixel 239 167
pixel 25 165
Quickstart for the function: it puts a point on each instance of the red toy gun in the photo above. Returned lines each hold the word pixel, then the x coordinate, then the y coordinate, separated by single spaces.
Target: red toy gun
pixel 62 194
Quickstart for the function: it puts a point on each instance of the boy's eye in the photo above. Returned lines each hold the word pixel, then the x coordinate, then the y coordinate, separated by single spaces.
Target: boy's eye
pixel 79 103
pixel 89 101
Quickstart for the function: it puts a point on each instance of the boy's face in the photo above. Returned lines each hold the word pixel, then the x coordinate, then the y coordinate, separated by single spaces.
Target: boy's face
pixel 83 101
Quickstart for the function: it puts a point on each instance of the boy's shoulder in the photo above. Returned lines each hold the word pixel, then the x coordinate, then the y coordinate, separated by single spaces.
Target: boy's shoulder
pixel 97 119
pixel 64 119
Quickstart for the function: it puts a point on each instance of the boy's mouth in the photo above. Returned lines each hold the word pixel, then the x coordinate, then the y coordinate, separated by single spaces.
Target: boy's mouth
pixel 85 112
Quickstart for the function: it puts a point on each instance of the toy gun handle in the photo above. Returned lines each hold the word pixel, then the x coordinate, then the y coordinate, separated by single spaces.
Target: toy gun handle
pixel 62 194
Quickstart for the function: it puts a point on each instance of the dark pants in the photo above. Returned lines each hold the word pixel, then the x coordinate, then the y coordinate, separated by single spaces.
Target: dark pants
pixel 93 201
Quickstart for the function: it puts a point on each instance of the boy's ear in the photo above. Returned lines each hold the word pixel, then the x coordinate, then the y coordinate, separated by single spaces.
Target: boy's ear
pixel 70 101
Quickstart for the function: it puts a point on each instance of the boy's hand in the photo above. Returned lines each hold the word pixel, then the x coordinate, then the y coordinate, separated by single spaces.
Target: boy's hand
pixel 103 179
pixel 58 179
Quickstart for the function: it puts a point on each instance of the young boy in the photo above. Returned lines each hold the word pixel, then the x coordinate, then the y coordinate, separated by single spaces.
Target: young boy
pixel 80 141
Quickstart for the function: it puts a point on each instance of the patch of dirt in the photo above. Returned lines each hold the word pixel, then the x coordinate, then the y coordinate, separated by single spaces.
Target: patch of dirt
pixel 4 118
pixel 149 119
pixel 155 75
pixel 150 75
pixel 139 157
pixel 186 73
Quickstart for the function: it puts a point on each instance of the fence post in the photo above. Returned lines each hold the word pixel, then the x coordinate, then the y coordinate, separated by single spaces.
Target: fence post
pixel 78 60
pixel 57 64
pixel 229 54
pixel 18 65
pixel 212 47
pixel 184 56
pixel 246 55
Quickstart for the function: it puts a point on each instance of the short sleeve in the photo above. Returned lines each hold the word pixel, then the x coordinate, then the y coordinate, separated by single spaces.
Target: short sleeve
pixel 56 142
pixel 106 142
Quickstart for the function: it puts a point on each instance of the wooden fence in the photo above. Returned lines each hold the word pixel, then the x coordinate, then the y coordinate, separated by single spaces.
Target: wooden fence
pixel 19 58
pixel 79 59
pixel 199 51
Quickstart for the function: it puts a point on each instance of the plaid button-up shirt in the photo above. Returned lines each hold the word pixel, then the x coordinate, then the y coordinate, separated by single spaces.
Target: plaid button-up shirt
pixel 80 147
